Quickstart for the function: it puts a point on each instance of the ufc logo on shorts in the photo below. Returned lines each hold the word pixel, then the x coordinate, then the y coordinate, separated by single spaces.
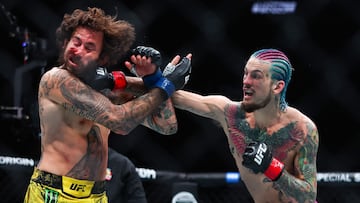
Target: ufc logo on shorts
pixel 77 187
pixel 260 153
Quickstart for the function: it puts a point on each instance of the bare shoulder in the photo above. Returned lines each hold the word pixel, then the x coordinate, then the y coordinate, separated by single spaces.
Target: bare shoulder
pixel 296 114
pixel 303 121
pixel 56 73
pixel 50 77
pixel 234 113
pixel 60 86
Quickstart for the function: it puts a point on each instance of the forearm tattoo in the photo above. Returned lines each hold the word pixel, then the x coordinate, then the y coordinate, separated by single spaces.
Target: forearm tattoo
pixel 93 106
pixel 161 120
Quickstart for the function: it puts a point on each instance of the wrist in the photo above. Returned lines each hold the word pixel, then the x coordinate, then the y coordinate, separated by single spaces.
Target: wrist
pixel 150 80
pixel 119 80
pixel 166 85
pixel 274 170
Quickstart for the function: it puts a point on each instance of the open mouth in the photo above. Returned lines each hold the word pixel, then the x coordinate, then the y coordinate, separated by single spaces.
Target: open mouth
pixel 248 93
pixel 73 59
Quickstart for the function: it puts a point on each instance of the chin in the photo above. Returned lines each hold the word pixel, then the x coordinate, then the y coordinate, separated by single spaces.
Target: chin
pixel 249 107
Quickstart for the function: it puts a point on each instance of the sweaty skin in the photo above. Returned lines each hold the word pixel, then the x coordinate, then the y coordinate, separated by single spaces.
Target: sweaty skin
pixel 292 135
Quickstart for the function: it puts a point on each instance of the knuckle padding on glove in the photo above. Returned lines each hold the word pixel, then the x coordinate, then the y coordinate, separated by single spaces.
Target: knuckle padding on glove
pixel 257 164
pixel 258 157
pixel 149 52
pixel 180 73
pixel 100 79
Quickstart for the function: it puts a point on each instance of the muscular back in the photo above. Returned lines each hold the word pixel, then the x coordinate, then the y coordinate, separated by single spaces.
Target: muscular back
pixel 71 145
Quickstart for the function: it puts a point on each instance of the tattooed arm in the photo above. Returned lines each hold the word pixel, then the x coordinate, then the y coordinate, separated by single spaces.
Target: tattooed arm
pixel 302 185
pixel 61 87
pixel 163 120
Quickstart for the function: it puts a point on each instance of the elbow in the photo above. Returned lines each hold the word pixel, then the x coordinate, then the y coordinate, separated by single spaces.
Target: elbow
pixel 120 132
pixel 120 126
pixel 171 130
pixel 126 128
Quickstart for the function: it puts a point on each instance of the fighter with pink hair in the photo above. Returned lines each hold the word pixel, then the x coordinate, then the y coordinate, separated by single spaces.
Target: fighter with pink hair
pixel 274 145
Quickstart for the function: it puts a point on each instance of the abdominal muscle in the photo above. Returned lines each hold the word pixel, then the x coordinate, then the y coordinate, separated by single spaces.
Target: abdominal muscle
pixel 260 188
pixel 76 149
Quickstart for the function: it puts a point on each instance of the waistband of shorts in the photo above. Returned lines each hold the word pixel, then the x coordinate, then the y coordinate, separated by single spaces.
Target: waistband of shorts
pixel 55 181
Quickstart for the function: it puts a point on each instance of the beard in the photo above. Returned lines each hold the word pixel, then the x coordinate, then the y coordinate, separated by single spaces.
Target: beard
pixel 251 107
pixel 79 66
pixel 85 72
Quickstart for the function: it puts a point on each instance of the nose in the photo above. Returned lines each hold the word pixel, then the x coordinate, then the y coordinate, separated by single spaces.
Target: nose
pixel 76 50
pixel 246 79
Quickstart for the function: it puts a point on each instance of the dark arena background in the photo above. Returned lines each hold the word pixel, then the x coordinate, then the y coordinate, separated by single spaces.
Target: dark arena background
pixel 321 38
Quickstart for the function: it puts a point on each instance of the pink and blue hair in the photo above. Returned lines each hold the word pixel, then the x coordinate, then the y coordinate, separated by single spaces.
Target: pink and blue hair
pixel 280 69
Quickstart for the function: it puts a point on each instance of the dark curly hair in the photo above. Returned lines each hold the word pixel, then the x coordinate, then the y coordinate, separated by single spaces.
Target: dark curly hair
pixel 119 35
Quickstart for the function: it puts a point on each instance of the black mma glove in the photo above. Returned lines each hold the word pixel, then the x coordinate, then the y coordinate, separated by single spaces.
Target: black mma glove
pixel 149 80
pixel 183 69
pixel 259 159
pixel 115 80
pixel 148 52
pixel 173 80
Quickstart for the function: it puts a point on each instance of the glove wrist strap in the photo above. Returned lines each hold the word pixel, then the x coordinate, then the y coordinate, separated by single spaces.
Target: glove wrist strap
pixel 274 170
pixel 166 85
pixel 119 80
pixel 150 80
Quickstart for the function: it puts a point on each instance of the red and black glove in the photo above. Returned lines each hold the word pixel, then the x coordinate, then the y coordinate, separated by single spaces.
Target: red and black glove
pixel 115 80
pixel 259 159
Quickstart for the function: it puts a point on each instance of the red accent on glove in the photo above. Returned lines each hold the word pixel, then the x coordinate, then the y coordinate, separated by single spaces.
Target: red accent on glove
pixel 274 170
pixel 119 80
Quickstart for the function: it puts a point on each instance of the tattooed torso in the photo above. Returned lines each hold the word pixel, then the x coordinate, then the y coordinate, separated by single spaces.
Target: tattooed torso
pixel 293 141
pixel 71 145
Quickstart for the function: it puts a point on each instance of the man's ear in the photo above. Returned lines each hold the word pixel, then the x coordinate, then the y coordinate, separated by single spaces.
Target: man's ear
pixel 278 86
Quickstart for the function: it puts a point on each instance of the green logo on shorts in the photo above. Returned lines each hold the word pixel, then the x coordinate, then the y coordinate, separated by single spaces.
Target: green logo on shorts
pixel 51 196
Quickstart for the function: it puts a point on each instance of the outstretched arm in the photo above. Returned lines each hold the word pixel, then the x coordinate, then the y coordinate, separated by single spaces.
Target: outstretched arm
pixel 212 106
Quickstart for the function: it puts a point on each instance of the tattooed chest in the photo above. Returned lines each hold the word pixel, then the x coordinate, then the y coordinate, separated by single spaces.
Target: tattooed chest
pixel 281 140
